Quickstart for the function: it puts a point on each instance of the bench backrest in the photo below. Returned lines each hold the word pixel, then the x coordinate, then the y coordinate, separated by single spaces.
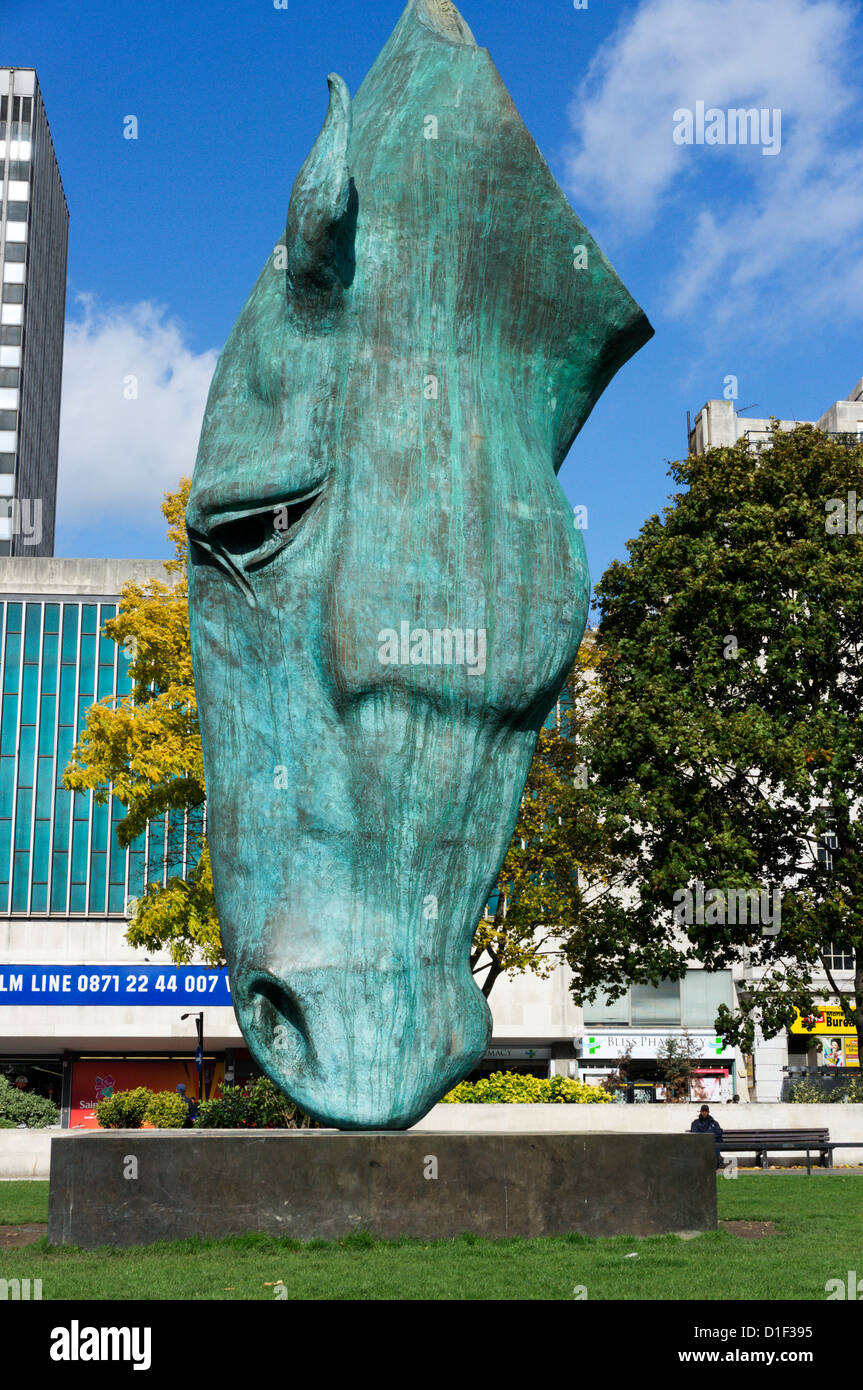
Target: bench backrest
pixel 767 1136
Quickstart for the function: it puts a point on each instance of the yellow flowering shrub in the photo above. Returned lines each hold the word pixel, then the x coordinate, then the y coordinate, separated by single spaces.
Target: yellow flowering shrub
pixel 516 1088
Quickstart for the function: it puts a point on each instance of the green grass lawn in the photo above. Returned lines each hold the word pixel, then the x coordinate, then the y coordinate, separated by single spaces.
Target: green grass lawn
pixel 819 1236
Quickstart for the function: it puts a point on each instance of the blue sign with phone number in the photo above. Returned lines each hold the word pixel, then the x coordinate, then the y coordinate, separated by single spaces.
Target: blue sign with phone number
pixel 87 984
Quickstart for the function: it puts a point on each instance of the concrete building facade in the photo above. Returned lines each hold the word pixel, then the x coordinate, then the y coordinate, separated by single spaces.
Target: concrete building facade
pixel 34 236
pixel 718 426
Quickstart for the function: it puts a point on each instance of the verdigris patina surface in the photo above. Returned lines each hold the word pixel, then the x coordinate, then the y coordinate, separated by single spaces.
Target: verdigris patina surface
pixel 386 586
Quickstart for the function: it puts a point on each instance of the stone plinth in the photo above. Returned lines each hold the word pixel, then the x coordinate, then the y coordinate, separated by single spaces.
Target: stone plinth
pixel 133 1187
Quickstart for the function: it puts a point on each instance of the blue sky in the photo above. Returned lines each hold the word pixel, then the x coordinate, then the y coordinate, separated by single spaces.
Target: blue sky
pixel 746 264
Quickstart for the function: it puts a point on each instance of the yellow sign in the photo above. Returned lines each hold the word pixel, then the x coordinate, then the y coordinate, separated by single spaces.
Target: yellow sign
pixel 829 1020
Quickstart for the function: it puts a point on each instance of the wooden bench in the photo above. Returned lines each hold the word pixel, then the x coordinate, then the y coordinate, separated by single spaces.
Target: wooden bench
pixel 765 1141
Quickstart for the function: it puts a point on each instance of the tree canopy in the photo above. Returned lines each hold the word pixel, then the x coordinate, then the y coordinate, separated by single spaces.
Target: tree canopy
pixel 728 749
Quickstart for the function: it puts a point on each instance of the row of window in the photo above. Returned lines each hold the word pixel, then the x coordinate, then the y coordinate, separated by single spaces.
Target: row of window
pixel 12 294
pixel 19 170
pixel 8 419
pixel 17 212
pixel 58 849
pixel 16 251
pixel 11 335
pixel 10 376
pixel 692 1002
pixel 7 463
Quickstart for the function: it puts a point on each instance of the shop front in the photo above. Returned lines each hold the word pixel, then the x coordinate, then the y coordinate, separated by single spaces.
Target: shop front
pixel 97 1078
pixel 632 1059
pixel 826 1038
pixel 528 1061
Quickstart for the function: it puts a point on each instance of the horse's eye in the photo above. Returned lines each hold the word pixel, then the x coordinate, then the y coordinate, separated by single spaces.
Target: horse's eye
pixel 247 534
pixel 248 542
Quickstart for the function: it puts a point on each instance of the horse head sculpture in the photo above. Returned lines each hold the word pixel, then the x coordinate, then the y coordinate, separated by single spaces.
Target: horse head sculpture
pixel 387 588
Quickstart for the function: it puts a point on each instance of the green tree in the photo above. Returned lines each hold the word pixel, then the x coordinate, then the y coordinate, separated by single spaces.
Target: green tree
pixel 676 1059
pixel 728 752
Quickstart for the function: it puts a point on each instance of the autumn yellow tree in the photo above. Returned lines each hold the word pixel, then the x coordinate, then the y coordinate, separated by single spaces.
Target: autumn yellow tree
pixel 148 746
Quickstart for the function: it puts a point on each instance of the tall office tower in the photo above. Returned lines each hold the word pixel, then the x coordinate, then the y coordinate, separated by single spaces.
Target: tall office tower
pixel 34 237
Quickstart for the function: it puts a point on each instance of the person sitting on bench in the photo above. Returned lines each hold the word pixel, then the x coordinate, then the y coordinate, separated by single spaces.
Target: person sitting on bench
pixel 705 1124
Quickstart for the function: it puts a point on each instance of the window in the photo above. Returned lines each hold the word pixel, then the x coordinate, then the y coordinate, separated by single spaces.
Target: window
pixel 703 992
pixel 838 957
pixel 656 1004
pixel 16 251
pixel 13 294
pixel 692 1002
pixel 16 212
pixel 601 1012
pixel 8 419
pixel 9 376
pixel 7 463
pixel 22 115
pixel 827 843
pixel 19 169
pixel 10 335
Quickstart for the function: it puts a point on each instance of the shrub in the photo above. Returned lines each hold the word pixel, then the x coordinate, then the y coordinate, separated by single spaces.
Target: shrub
pixel 19 1108
pixel 807 1092
pixel 166 1110
pixel 259 1104
pixel 515 1088
pixel 125 1110
pixel 853 1091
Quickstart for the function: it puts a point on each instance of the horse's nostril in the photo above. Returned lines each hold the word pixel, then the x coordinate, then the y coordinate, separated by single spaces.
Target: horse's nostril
pixel 279 1018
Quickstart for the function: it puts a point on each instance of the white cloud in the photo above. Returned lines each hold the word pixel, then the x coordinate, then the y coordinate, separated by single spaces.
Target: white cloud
pixel 742 222
pixel 119 454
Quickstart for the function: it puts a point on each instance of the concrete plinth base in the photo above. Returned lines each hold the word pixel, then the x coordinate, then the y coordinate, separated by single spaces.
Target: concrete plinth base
pixel 133 1187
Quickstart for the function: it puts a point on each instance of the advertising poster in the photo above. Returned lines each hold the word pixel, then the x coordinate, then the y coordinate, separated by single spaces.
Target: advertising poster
pixel 97 1080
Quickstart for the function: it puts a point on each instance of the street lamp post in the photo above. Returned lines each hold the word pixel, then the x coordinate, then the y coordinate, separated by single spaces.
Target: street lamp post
pixel 199 1051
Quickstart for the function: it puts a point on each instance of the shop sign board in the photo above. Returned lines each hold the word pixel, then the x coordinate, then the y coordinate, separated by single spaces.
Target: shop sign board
pixel 648 1044
pixel 153 985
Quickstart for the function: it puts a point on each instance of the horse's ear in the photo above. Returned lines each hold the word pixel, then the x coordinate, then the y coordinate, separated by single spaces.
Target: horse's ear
pixel 322 213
